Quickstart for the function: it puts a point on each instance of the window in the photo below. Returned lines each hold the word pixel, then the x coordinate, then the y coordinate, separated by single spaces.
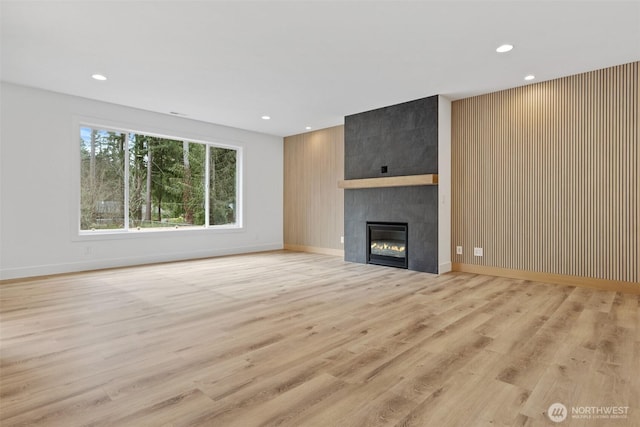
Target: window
pixel 131 181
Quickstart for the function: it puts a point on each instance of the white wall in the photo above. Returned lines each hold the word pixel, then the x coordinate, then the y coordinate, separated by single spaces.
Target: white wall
pixel 39 185
pixel 444 185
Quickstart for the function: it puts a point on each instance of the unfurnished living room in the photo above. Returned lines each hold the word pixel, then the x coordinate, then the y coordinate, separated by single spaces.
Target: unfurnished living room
pixel 319 213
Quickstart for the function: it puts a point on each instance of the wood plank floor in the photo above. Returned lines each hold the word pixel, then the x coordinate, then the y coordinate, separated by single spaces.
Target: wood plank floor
pixel 293 339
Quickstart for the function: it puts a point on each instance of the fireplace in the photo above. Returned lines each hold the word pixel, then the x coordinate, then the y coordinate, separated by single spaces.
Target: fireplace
pixel 387 244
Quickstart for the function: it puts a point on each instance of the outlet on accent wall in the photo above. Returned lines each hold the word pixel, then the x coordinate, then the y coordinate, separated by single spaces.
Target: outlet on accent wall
pixel 477 251
pixel 458 250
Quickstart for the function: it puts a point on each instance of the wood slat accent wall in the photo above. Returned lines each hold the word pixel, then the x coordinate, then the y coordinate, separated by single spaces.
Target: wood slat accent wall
pixel 313 204
pixel 546 177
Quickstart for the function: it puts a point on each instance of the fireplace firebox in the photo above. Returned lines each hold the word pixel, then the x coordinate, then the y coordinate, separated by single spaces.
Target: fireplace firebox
pixel 387 244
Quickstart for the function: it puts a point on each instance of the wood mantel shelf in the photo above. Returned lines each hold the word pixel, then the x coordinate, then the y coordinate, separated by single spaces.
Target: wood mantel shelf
pixel 389 181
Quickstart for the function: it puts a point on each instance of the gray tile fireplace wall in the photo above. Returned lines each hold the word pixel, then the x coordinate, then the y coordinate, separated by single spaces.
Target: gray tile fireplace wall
pixel 404 138
pixel 394 204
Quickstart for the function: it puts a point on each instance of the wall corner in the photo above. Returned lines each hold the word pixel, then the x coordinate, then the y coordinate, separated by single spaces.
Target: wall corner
pixel 444 182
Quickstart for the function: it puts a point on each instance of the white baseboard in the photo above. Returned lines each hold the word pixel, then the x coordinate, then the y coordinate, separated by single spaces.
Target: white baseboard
pixel 73 267
pixel 444 267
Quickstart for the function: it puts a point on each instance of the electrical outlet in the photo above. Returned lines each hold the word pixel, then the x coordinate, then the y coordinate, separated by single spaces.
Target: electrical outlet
pixel 458 250
pixel 342 239
pixel 477 251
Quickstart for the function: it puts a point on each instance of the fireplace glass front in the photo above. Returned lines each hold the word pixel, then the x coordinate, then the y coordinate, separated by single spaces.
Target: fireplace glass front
pixel 387 244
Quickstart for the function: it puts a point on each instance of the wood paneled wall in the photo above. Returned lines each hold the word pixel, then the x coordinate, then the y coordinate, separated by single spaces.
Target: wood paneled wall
pixel 546 177
pixel 313 203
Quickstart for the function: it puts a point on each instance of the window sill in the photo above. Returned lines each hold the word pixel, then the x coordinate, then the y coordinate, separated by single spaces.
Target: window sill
pixel 153 232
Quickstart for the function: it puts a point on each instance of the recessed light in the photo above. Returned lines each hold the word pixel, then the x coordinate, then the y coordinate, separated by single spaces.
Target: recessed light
pixel 308 128
pixel 504 48
pixel 266 118
pixel 98 77
pixel 529 77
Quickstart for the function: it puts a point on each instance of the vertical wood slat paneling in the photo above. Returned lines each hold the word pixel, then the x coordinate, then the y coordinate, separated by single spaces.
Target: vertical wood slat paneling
pixel 313 204
pixel 546 177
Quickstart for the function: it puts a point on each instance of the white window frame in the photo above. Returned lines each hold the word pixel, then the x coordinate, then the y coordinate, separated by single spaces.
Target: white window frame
pixel 238 226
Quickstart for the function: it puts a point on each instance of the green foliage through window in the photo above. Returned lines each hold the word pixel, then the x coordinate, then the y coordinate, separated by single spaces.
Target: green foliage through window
pixel 169 183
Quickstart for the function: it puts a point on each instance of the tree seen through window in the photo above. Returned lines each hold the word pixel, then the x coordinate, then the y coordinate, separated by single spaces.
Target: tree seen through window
pixel 167 182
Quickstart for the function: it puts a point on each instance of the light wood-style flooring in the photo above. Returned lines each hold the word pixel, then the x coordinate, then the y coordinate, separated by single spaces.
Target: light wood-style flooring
pixel 293 339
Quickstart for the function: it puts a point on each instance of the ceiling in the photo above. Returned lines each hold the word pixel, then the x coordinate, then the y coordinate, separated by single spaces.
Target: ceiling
pixel 304 63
